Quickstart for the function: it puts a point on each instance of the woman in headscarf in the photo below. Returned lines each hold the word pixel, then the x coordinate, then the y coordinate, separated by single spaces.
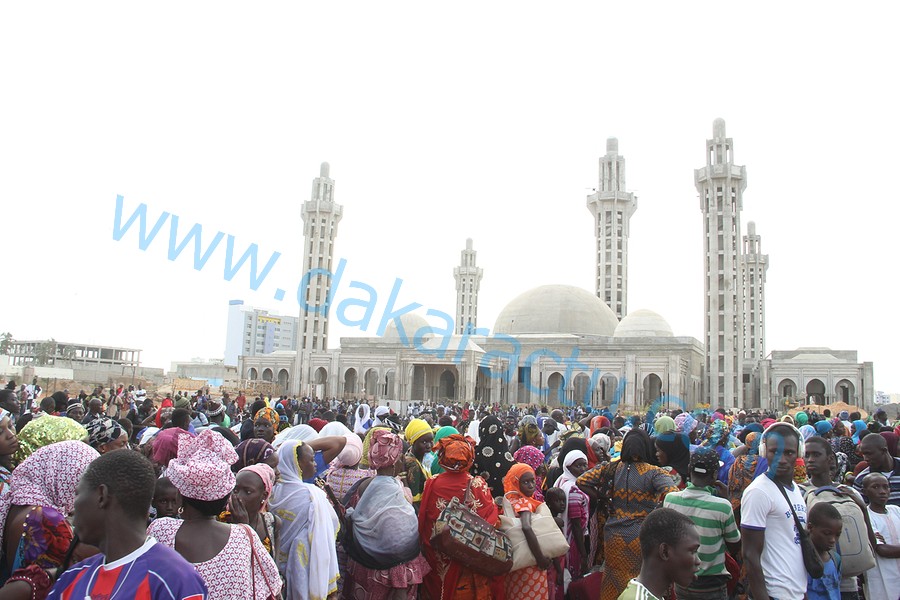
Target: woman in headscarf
pixel 436 468
pixel 419 436
pixel 344 470
pixel 35 511
pixel 385 527
pixel 745 469
pixel 718 439
pixel 106 435
pixel 363 422
pixel 9 443
pixel 492 456
pixel 673 453
pixel 575 518
pixel 529 583
pixel 303 433
pixel 534 458
pixel 858 427
pixel 265 424
pixel 253 452
pixel 628 489
pixel 165 446
pixel 231 558
pixel 163 413
pixel 449 578
pixel 306 545
pixel 250 502
pixel 529 434
pixel 599 422
pixel 45 431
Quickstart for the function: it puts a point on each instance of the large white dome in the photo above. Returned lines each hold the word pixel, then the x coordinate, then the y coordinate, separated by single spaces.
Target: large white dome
pixel 553 309
pixel 411 324
pixel 643 323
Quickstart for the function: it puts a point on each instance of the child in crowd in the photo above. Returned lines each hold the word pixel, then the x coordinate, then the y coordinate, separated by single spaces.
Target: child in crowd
pixel 825 526
pixel 555 498
pixel 166 500
pixel 669 546
pixel 885 518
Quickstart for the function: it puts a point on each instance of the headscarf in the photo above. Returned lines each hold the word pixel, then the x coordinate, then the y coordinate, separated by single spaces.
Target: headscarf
pixel 103 430
pixel 513 491
pixel 335 428
pixel 492 453
pixel 165 445
pixel 48 477
pixel 436 468
pixel 381 414
pixel 352 452
pixel 801 418
pixel 267 474
pixel 47 430
pixel 318 424
pixel 664 424
pixel 717 433
pixel 529 432
pixel 416 429
pixel 685 423
pixel 844 415
pixel 306 551
pixel 252 452
pixel 269 414
pixel 534 458
pixel 604 441
pixel 823 427
pixel 202 469
pixel 807 431
pixel 303 433
pixel 858 427
pixel 363 422
pixel 384 449
pixel 567 480
pixel 598 422
pixel 677 447
pixel 456 453
pixel 166 404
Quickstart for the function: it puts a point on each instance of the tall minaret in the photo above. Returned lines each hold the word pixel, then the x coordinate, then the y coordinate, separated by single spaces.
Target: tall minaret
pixel 320 220
pixel 612 208
pixel 468 280
pixel 754 265
pixel 721 184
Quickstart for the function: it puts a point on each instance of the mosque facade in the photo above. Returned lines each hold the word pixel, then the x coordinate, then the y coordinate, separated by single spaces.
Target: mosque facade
pixel 560 344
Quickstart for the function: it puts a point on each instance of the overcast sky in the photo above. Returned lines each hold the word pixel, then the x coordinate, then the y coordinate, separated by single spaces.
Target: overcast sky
pixel 442 122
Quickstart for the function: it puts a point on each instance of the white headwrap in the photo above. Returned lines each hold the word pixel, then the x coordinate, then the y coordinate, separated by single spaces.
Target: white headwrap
pixel 304 433
pixel 363 423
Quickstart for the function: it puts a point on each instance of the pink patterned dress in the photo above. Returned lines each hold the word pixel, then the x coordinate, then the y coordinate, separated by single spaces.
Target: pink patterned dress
pixel 229 575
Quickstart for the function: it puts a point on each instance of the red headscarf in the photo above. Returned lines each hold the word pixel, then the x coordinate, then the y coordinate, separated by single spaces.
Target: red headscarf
pixel 456 453
pixel 167 403
pixel 597 423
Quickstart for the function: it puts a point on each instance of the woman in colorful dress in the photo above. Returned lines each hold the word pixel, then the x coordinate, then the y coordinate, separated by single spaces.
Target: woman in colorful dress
pixel 436 468
pixel 9 443
pixel 386 527
pixel 529 583
pixel 633 487
pixel 745 469
pixel 231 559
pixel 449 578
pixel 249 504
pixel 534 458
pixel 575 518
pixel 35 534
pixel 306 545
pixel 419 436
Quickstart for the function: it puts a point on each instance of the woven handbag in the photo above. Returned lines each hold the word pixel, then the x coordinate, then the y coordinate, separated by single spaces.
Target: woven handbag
pixel 471 541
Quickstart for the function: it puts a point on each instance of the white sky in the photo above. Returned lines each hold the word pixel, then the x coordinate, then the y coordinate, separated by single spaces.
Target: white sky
pixel 442 122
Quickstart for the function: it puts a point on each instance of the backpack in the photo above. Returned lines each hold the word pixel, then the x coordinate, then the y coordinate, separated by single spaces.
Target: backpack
pixel 857 554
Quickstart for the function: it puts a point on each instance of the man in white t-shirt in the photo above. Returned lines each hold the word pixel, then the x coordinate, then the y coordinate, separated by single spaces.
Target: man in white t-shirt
pixel 771 540
pixel 884 579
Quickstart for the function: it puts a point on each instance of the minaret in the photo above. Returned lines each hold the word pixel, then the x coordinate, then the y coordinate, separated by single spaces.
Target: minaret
pixel 754 265
pixel 468 280
pixel 320 220
pixel 612 208
pixel 721 184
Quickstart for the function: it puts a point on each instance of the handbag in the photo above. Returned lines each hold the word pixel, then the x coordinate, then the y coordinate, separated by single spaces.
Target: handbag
pixel 250 535
pixel 471 541
pixel 811 559
pixel 550 538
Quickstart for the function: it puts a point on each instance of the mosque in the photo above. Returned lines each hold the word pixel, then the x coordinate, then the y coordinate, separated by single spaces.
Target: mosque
pixel 560 344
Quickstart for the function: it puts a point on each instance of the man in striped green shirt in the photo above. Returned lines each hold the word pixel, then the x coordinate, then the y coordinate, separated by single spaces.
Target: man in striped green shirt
pixel 714 520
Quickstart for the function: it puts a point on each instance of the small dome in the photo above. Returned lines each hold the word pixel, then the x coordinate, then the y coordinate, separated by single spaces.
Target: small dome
pixel 557 309
pixel 412 325
pixel 643 323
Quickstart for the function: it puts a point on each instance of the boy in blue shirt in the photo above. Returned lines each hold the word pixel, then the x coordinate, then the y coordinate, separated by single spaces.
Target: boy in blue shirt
pixel 824 528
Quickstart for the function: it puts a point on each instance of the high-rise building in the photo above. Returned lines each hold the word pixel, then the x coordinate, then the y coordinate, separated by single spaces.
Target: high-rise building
pixel 468 280
pixel 754 264
pixel 252 331
pixel 721 184
pixel 612 208
pixel 321 216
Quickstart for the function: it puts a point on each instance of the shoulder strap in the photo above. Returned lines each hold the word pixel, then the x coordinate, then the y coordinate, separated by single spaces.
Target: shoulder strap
pixel 790 505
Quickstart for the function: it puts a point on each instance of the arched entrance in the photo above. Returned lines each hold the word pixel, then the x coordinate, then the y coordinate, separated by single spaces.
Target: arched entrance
pixel 252 374
pixel 448 385
pixel 268 375
pixel 787 388
pixel 389 379
pixel 608 385
pixel 815 391
pixel 483 385
pixel 556 389
pixel 371 383
pixel 845 391
pixel 350 378
pixel 584 394
pixel 283 379
pixel 652 389
pixel 320 380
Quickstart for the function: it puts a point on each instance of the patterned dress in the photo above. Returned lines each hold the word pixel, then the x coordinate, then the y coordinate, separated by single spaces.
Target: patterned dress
pixel 340 480
pixel 529 583
pixel 637 489
pixel 239 572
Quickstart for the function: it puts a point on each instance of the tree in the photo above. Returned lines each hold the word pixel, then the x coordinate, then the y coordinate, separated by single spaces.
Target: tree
pixel 6 341
pixel 45 352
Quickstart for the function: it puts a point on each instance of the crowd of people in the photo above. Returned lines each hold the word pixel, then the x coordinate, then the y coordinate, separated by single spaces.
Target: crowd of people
pixel 118 494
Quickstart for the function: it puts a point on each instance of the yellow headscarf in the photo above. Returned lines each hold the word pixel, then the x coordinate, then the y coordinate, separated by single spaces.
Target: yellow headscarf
pixel 416 429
